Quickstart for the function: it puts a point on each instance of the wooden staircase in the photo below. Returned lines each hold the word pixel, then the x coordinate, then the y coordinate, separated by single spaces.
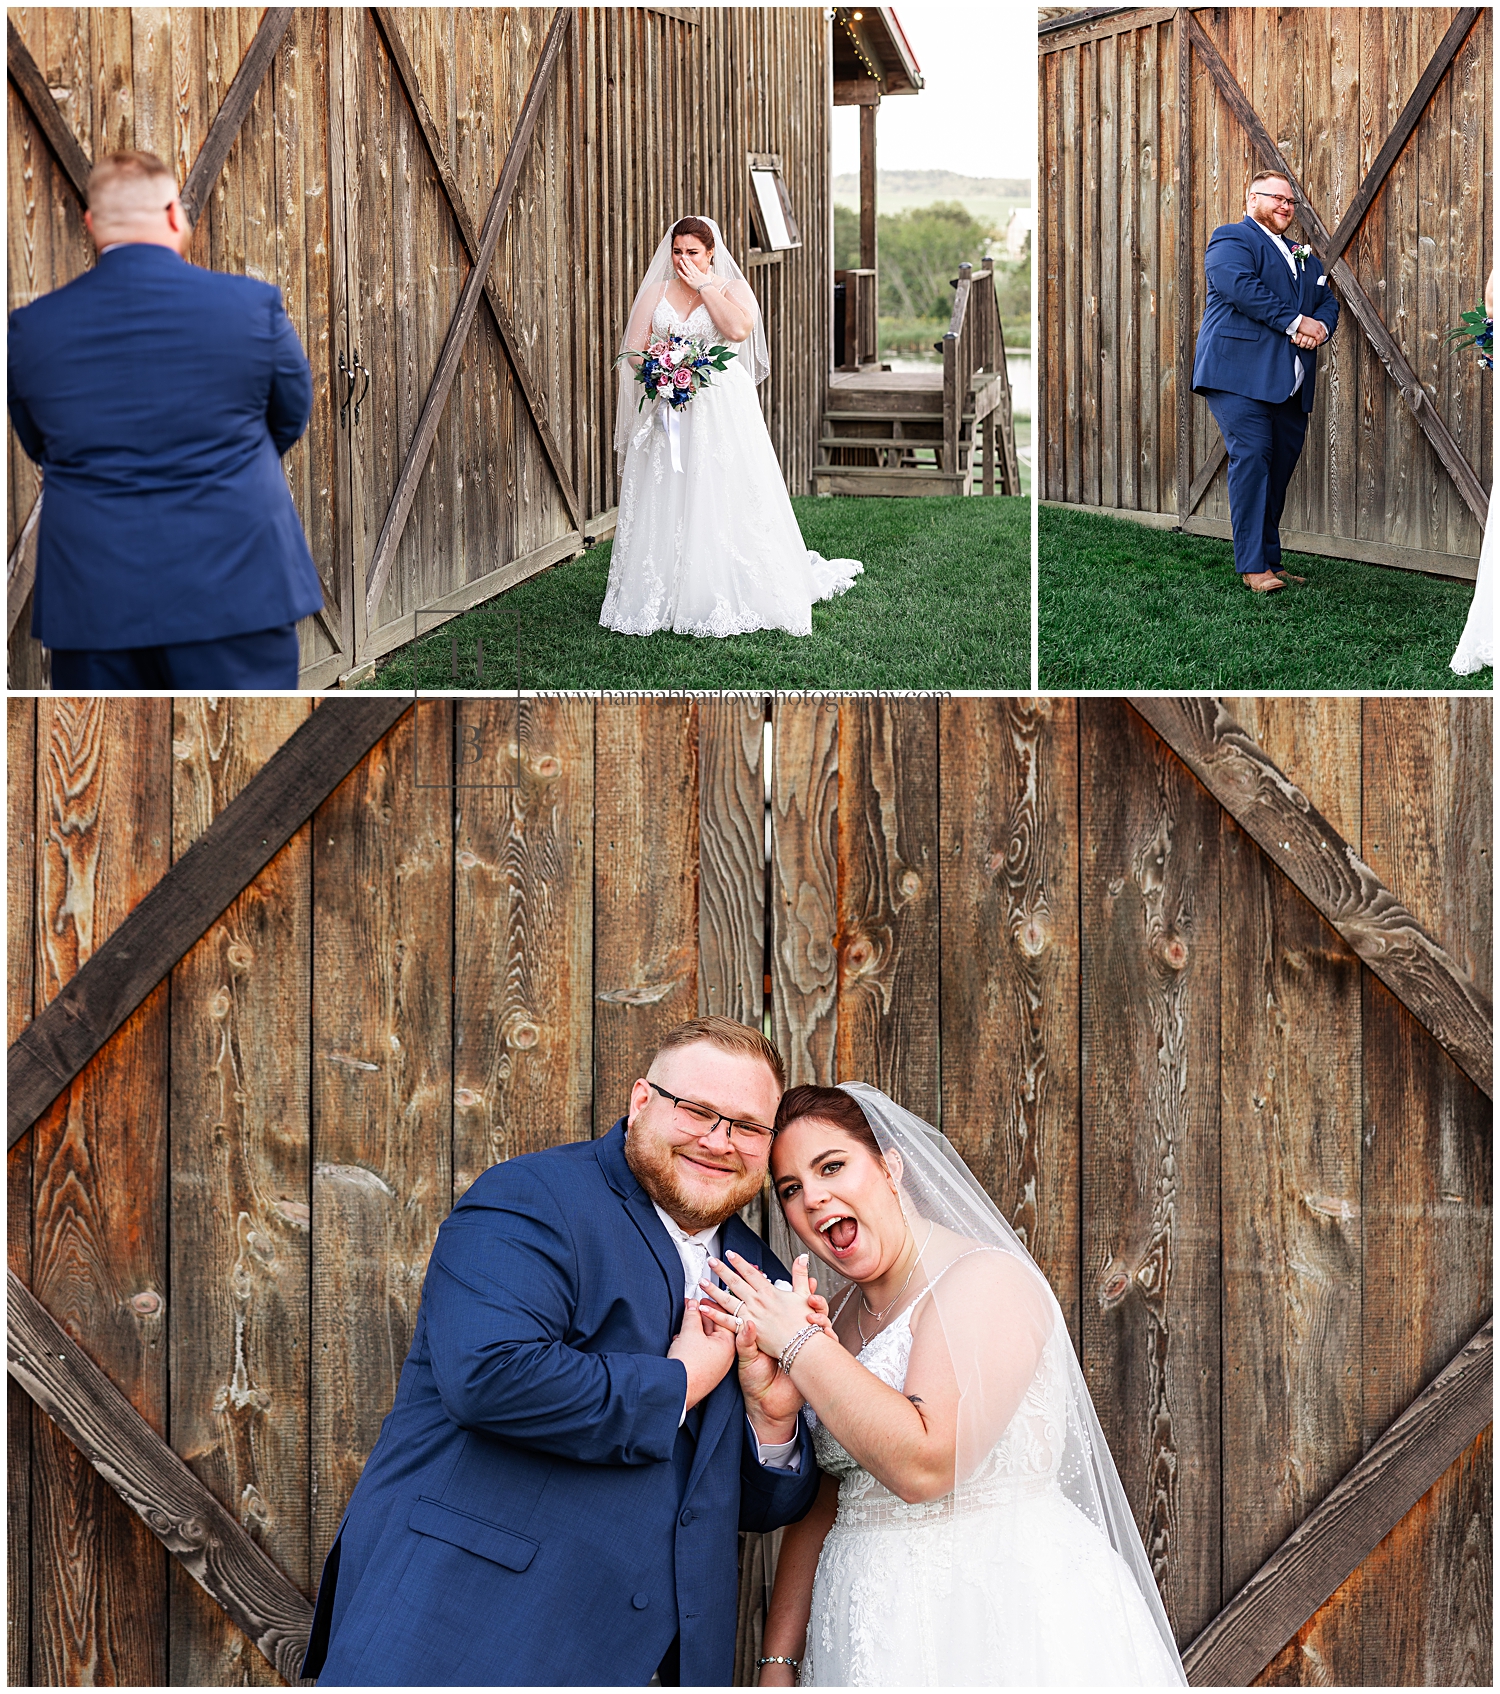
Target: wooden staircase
pixel 944 431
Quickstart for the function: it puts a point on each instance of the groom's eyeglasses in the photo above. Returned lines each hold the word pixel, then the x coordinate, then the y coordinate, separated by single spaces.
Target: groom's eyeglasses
pixel 1277 199
pixel 704 1120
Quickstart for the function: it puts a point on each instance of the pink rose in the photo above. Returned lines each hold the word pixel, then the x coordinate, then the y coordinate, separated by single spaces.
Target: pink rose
pixel 683 379
pixel 656 349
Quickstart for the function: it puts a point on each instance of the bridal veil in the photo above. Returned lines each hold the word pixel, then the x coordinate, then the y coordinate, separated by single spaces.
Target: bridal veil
pixel 1027 1430
pixel 638 326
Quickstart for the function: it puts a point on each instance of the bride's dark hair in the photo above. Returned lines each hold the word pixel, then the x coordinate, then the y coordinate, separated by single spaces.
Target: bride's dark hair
pixel 828 1105
pixel 694 226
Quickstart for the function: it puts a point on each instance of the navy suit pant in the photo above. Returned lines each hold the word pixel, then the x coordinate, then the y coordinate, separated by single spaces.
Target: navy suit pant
pixel 265 658
pixel 1264 442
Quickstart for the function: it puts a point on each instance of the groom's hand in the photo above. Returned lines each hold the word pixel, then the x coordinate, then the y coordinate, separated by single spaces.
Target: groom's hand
pixel 771 1401
pixel 705 1351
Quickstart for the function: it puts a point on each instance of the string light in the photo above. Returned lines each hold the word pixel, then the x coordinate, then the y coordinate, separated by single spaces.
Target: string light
pixel 848 21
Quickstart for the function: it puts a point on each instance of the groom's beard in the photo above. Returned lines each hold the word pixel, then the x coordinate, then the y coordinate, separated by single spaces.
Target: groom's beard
pixel 655 1164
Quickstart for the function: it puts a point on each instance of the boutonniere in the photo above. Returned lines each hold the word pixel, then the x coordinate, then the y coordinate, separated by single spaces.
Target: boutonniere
pixel 1302 254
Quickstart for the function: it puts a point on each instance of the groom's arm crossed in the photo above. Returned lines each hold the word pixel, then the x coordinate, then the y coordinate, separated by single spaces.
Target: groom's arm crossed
pixel 500 1295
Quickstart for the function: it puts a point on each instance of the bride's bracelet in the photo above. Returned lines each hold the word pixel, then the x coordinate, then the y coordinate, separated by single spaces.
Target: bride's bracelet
pixel 795 1346
pixel 776 1659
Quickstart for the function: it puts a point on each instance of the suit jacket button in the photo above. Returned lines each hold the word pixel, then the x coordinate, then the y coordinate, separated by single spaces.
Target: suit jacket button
pixel 686 1518
pixel 640 1601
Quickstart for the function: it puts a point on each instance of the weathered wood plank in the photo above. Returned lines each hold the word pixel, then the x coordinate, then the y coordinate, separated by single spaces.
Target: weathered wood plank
pixel 31 85
pixel 804 886
pixel 20 975
pixel 1290 995
pixel 1009 968
pixel 1429 1436
pixel 145 1474
pixel 252 72
pixel 1182 237
pixel 1150 939
pixel 99 1202
pixel 1328 870
pixel 381 1062
pixel 523 930
pixel 463 318
pixel 645 888
pixel 92 1005
pixel 241 1186
pixel 888 857
pixel 731 859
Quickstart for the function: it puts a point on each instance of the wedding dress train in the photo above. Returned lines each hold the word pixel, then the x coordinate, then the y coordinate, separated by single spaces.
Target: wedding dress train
pixel 712 549
pixel 1476 646
pixel 1003 1581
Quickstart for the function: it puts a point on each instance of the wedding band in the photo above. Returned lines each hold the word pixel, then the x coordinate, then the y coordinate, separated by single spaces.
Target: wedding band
pixel 739 1308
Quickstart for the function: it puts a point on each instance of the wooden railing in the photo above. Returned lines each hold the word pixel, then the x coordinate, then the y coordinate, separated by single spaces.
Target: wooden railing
pixel 861 319
pixel 974 346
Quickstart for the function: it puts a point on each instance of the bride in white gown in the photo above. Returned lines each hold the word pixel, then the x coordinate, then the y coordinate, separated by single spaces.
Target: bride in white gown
pixel 712 548
pixel 971 1527
pixel 1476 646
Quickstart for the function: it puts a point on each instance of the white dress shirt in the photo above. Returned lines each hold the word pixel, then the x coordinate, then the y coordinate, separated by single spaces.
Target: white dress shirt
pixel 695 1250
pixel 1291 329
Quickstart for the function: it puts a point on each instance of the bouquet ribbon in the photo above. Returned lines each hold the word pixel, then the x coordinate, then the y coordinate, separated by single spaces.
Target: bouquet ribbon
pixel 671 422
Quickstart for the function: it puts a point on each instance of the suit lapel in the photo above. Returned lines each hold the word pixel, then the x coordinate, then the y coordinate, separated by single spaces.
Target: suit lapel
pixel 642 1214
pixel 1284 278
pixel 735 1236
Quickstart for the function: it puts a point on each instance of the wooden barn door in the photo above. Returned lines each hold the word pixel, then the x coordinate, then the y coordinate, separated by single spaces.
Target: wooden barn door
pixel 446 509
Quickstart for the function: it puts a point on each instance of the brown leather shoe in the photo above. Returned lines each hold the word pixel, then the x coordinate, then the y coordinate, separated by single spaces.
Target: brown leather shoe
pixel 1287 576
pixel 1262 582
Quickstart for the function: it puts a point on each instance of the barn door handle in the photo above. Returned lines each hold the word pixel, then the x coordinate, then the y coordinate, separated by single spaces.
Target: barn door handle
pixel 359 370
pixel 349 378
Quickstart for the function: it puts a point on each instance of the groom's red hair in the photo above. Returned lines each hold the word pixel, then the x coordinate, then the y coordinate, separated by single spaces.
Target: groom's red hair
pixel 729 1037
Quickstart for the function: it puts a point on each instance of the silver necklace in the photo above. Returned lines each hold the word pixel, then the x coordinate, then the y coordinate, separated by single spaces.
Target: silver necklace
pixel 866 1339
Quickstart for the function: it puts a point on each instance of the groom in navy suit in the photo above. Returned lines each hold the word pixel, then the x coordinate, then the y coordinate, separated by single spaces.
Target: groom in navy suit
pixel 1269 310
pixel 158 398
pixel 555 1496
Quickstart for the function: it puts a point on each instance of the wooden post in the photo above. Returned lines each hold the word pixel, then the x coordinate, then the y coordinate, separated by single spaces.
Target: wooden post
pixel 1184 382
pixel 867 186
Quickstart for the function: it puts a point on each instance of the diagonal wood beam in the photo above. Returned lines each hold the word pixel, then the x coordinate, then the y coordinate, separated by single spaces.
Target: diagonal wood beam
pixel 536 400
pixel 412 466
pixel 1300 841
pixel 1411 112
pixel 170 921
pixel 20 571
pixel 1206 473
pixel 31 85
pixel 237 101
pixel 1429 420
pixel 1364 1507
pixel 154 1482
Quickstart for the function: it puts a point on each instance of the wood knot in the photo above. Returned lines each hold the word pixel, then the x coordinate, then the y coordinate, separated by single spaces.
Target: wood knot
pixel 1113 1285
pixel 1174 953
pixel 218 1007
pixel 909 885
pixel 240 957
pixel 146 1304
pixel 1034 937
pixel 547 767
pixel 859 956
pixel 463 1098
pixel 525 1035
pixel 468 860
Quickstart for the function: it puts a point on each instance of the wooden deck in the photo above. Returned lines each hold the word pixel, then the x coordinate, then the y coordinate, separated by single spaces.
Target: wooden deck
pixel 883 433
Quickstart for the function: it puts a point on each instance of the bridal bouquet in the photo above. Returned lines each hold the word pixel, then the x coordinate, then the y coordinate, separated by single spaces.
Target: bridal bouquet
pixel 674 367
pixel 1476 330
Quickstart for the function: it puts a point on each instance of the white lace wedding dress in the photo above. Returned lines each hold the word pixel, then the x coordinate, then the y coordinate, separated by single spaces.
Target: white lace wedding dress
pixel 712 549
pixel 1004 1581
pixel 1476 647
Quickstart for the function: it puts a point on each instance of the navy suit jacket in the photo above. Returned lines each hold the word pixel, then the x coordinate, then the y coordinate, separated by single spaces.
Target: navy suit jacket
pixel 1243 346
pixel 158 399
pixel 531 1512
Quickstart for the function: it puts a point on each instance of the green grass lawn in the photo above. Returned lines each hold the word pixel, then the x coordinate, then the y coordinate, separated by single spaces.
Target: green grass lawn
pixel 944 602
pixel 1123 606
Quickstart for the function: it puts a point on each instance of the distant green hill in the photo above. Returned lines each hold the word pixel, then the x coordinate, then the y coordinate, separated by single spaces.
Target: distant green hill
pixel 987 198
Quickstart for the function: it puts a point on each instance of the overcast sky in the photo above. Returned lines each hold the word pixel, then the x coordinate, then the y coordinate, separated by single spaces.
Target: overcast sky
pixel 977 111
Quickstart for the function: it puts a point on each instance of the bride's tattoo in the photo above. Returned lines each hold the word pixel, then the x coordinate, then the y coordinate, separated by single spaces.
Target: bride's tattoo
pixel 916 1399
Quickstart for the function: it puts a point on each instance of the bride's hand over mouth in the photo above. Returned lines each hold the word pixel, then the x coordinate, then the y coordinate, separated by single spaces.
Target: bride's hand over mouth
pixel 730 318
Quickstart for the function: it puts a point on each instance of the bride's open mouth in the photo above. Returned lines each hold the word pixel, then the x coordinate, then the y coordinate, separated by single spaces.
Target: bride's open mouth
pixel 840 1232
